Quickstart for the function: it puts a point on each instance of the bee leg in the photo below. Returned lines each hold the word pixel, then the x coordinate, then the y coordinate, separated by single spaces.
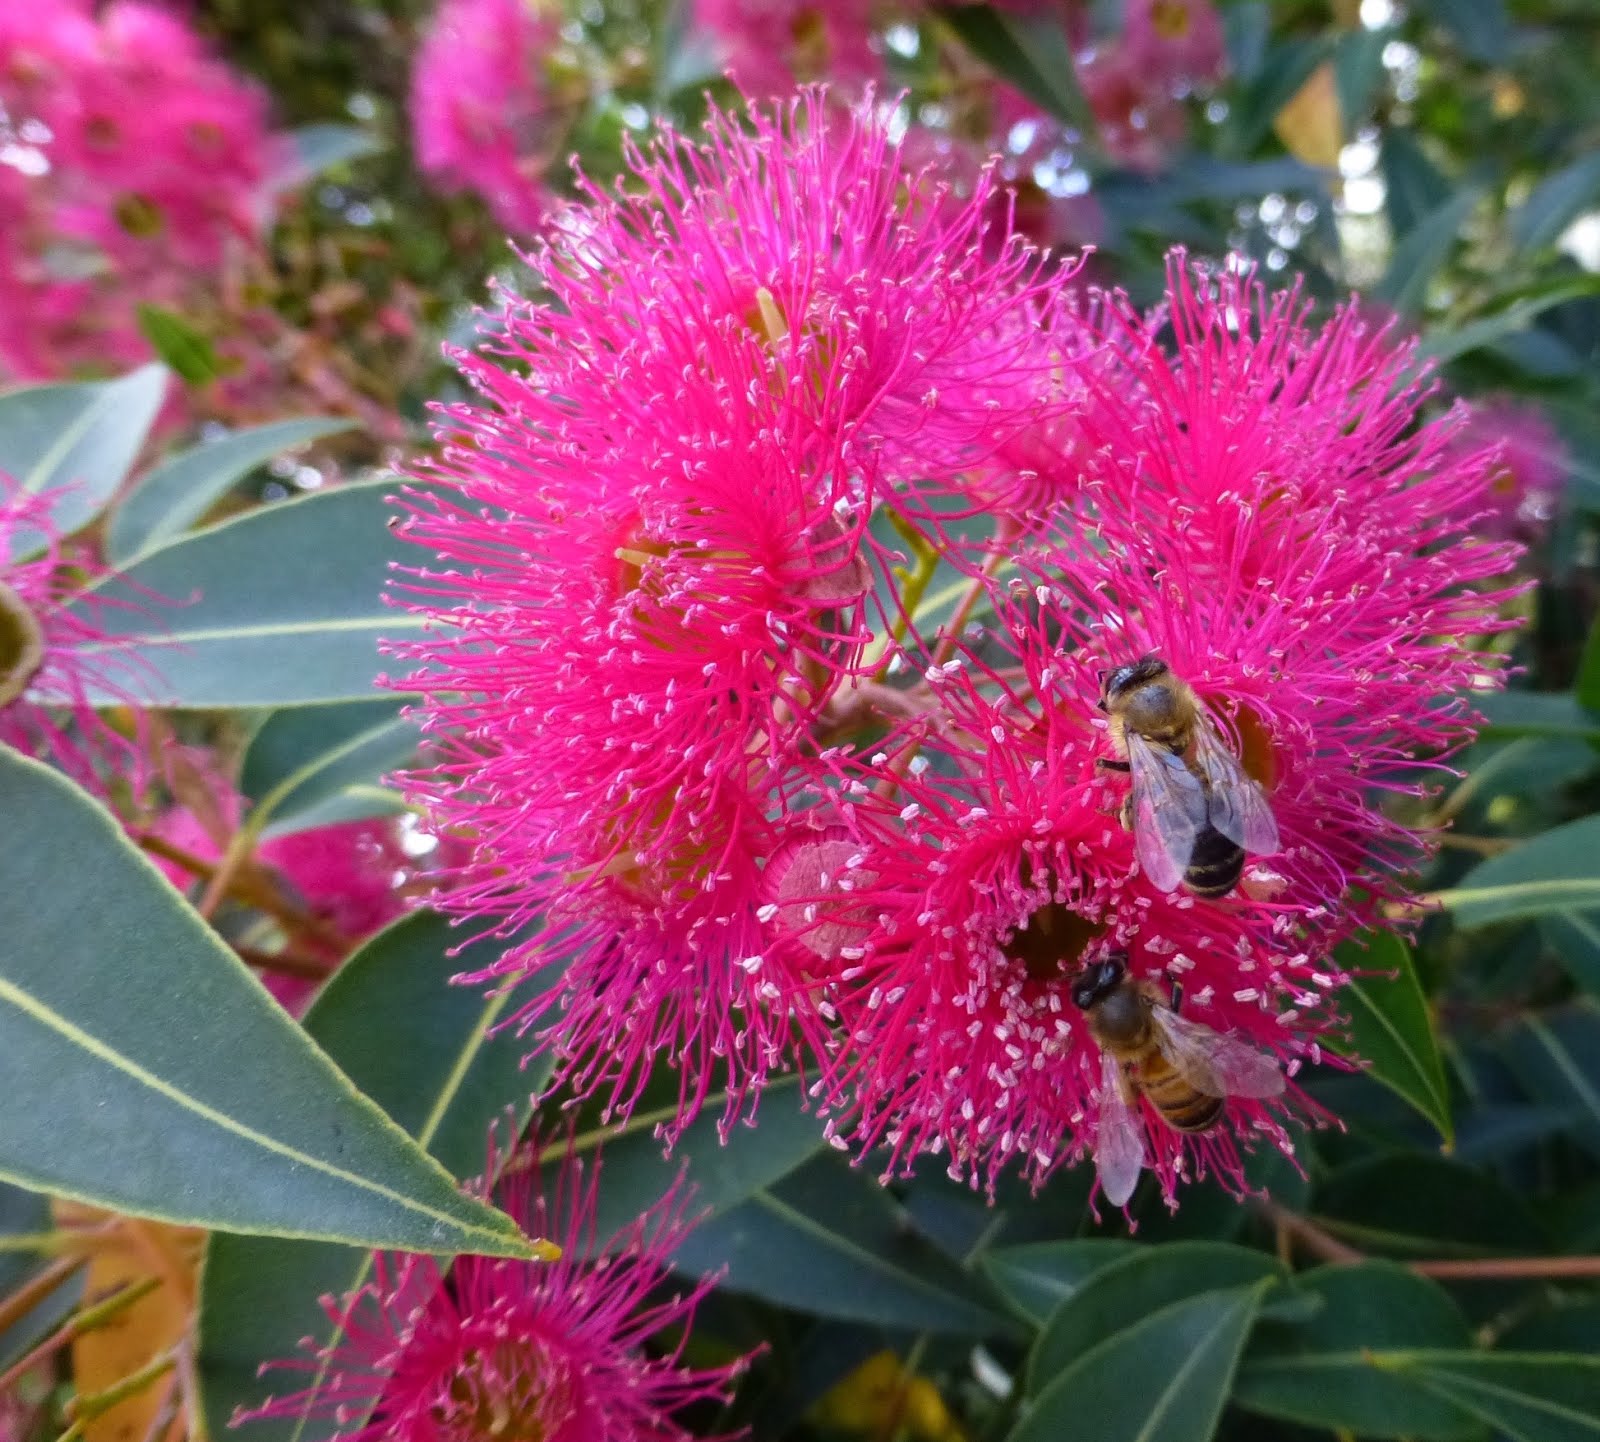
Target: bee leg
pixel 1105 763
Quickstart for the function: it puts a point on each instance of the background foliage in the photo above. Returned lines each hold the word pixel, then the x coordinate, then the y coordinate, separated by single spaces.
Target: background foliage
pixel 1434 1273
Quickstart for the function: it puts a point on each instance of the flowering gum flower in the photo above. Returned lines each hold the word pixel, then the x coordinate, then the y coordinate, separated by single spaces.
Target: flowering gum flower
pixel 767 45
pixel 545 1351
pixel 52 656
pixel 1528 472
pixel 652 561
pixel 1273 522
pixel 492 99
pixel 977 867
pixel 1178 42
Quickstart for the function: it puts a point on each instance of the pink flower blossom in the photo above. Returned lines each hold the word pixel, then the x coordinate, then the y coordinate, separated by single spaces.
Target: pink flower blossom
pixel 53 658
pixel 1138 121
pixel 977 868
pixel 492 101
pixel 548 1349
pixel 139 166
pixel 769 45
pixel 1178 41
pixel 1528 473
pixel 653 566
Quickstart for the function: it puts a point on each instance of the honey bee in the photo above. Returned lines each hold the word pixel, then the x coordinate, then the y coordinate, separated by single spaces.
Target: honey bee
pixel 1193 811
pixel 1186 1070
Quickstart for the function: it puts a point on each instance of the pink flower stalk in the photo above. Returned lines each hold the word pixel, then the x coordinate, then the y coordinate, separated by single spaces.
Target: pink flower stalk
pixel 1528 473
pixel 492 101
pixel 1272 521
pixel 138 166
pixel 979 866
pixel 652 564
pixel 53 658
pixel 552 1350
pixel 769 45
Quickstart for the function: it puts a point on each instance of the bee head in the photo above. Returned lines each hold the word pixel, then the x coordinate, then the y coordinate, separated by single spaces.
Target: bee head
pixel 1099 979
pixel 1119 680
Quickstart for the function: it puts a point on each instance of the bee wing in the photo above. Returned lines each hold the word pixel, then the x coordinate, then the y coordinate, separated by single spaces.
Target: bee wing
pixel 1119 1154
pixel 1238 809
pixel 1211 1062
pixel 1169 810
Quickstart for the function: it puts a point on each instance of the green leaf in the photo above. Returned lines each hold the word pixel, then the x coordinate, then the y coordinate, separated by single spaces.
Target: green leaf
pixel 75 443
pixel 1557 1057
pixel 304 757
pixel 1419 1205
pixel 178 1088
pixel 281 606
pixel 1115 1299
pixel 1554 203
pixel 1031 51
pixel 1162 1379
pixel 1391 1028
pixel 1534 713
pixel 1444 345
pixel 829 1240
pixel 1532 1397
pixel 1288 66
pixel 24 1218
pixel 1413 186
pixel 1323 1372
pixel 418 1047
pixel 1556 872
pixel 179 345
pixel 1038 1277
pixel 723 1174
pixel 1422 251
pixel 1481 27
pixel 172 496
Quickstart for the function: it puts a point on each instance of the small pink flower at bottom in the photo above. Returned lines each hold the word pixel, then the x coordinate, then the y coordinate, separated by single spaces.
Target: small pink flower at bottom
pixel 551 1351
pixel 53 659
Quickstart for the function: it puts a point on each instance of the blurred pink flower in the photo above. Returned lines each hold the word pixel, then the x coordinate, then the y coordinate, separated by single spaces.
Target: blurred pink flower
pixel 653 571
pixel 491 104
pixel 1139 122
pixel 769 45
pixel 136 165
pixel 1529 468
pixel 554 1350
pixel 1179 43
pixel 54 661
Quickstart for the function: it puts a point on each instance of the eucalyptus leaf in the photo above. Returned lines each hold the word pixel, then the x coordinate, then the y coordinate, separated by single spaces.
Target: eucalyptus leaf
pixel 1031 51
pixel 1540 1397
pixel 172 496
pixel 420 1048
pixel 1390 1027
pixel 76 444
pixel 1556 872
pixel 1037 1277
pixel 1420 254
pixel 283 605
pixel 180 1089
pixel 1164 1378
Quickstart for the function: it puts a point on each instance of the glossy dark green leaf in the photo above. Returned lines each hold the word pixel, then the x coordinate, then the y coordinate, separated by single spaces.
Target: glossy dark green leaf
pixel 1557 1057
pixel 418 1046
pixel 178 345
pixel 1031 51
pixel 280 606
pixel 1447 344
pixel 1536 713
pixel 25 1222
pixel 179 1088
pixel 1413 186
pixel 1038 1277
pixel 1162 1379
pixel 1532 1397
pixel 1481 27
pixel 1287 67
pixel 723 1174
pixel 76 443
pixel 1411 1204
pixel 827 1239
pixel 1418 257
pixel 1358 71
pixel 1555 202
pixel 1557 871
pixel 304 757
pixel 1323 1372
pixel 1133 1287
pixel 1391 1029
pixel 172 496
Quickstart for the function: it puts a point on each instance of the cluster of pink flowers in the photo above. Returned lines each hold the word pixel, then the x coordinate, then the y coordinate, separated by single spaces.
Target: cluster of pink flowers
pixel 786 794
pixel 552 1349
pixel 493 98
pixel 132 166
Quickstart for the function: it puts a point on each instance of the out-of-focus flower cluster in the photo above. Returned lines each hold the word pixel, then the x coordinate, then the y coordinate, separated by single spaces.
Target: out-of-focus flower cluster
pixel 779 580
pixel 134 170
